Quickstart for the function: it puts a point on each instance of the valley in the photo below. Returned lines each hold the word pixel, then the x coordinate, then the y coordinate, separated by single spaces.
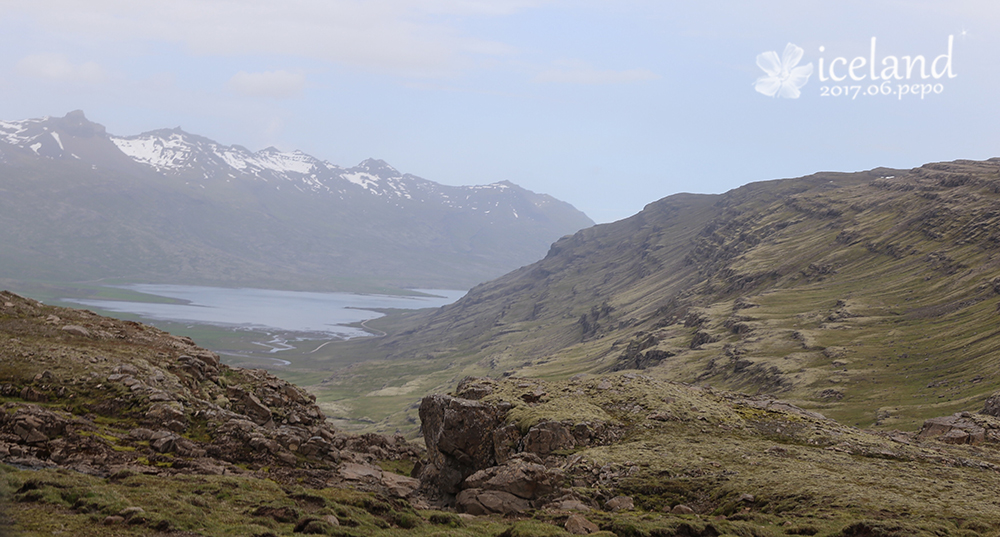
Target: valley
pixel 810 356
pixel 870 297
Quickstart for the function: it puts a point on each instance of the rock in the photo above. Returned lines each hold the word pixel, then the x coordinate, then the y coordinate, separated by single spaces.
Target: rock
pixel 523 479
pixel 175 426
pixel 125 369
pixel 958 428
pixel 113 519
pixel 620 503
pixel 331 520
pixel 29 393
pixel 548 436
pixel 76 330
pixel 162 412
pixel 485 502
pixel 251 406
pixel 43 376
pixel 579 525
pixel 533 397
pixel 572 505
pixel 130 512
pixel 33 424
pixel 399 486
pixel 159 395
pixel 506 442
pixel 992 406
pixel 453 433
pixel 748 498
pixel 681 509
pixel 474 388
pixel 164 443
pixel 295 395
pixel 357 472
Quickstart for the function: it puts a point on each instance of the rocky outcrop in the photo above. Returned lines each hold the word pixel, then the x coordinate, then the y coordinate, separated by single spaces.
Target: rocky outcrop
pixel 457 435
pixel 121 396
pixel 482 464
pixel 992 405
pixel 962 428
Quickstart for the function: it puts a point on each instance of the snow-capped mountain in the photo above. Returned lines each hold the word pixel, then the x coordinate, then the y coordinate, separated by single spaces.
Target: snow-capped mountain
pixel 369 217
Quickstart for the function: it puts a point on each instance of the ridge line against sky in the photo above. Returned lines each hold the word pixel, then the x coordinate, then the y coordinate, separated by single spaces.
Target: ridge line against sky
pixel 606 105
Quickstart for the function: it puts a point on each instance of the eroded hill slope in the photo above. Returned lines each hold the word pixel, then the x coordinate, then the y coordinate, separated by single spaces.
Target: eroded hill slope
pixel 871 296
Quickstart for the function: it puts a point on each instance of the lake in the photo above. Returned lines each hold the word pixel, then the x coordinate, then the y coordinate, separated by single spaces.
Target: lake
pixel 270 310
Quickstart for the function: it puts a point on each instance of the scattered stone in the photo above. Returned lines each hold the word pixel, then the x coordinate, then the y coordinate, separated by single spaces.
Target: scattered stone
pixel 474 388
pixel 43 376
pixel 76 330
pixel 399 486
pixel 579 525
pixel 357 472
pixel 748 498
pixel 130 512
pixel 620 503
pixel 681 509
pixel 572 505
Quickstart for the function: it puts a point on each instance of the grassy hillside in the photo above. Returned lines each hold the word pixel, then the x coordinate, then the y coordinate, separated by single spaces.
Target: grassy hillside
pixel 871 297
pixel 112 428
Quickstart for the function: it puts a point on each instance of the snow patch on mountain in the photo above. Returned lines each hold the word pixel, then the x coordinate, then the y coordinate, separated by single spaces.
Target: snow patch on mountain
pixel 58 141
pixel 203 163
pixel 20 133
pixel 162 154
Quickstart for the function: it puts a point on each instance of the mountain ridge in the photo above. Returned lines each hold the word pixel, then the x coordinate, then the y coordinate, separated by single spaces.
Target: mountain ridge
pixel 195 211
pixel 868 296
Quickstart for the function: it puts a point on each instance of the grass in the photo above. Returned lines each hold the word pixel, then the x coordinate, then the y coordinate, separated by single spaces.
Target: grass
pixel 916 331
pixel 51 500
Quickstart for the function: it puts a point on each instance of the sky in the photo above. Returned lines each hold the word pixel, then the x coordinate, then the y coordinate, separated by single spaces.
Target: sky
pixel 608 105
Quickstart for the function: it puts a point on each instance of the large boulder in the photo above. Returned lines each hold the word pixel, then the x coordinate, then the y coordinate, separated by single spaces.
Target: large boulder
pixel 455 433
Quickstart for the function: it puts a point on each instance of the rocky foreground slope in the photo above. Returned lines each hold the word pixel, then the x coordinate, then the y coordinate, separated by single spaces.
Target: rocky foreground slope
pixel 115 428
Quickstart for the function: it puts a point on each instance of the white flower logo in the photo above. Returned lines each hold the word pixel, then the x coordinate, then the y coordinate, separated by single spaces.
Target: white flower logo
pixel 783 77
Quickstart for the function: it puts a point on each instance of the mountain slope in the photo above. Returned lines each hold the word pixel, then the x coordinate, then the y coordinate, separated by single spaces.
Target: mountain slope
pixel 169 206
pixel 114 428
pixel 870 296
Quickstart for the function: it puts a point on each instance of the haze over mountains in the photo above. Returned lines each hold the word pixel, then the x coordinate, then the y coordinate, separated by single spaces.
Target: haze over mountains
pixel 173 207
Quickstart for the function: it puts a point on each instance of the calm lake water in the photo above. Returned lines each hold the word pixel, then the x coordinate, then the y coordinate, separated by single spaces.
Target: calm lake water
pixel 265 309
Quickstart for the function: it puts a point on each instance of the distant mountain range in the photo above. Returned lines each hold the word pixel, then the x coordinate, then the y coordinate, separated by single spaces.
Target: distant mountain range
pixel 167 206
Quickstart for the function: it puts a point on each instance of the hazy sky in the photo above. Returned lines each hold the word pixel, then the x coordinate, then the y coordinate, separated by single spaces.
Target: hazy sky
pixel 606 104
